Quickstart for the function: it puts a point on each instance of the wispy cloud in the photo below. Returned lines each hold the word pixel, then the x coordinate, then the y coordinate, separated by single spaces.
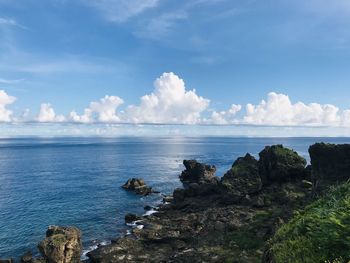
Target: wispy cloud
pixel 122 10
pixel 10 22
pixel 10 81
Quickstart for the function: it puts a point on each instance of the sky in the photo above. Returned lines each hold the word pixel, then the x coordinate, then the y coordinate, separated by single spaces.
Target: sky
pixel 275 63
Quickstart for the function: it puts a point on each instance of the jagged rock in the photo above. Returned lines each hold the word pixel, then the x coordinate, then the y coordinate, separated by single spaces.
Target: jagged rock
pixel 179 195
pixel 61 245
pixel 330 164
pixel 197 172
pixel 27 257
pixel 278 164
pixel 243 178
pixel 129 218
pixel 138 186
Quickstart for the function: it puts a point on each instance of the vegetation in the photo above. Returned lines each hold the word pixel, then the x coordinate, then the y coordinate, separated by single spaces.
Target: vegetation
pixel 319 233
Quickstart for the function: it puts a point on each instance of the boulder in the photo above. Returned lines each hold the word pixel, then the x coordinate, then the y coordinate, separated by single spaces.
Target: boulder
pixel 243 178
pixel 330 164
pixel 197 172
pixel 61 245
pixel 129 218
pixel 138 186
pixel 27 257
pixel 279 164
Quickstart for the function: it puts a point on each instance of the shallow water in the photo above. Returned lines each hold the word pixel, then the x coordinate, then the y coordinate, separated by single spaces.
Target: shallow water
pixel 76 181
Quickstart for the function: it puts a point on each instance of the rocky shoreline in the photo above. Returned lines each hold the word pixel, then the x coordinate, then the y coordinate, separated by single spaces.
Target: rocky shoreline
pixel 212 219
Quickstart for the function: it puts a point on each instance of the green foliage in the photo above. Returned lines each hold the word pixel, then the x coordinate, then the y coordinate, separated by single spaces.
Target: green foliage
pixel 320 233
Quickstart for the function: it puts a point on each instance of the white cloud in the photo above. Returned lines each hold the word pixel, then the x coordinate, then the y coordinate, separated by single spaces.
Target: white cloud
pixel 47 114
pixel 121 10
pixel 168 103
pixel 226 117
pixel 279 110
pixel 5 99
pixel 103 111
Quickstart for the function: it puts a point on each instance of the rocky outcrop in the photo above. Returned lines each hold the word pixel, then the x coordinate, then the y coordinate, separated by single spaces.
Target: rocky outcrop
pixel 212 220
pixel 61 245
pixel 279 164
pixel 330 164
pixel 138 186
pixel 243 178
pixel 9 260
pixel 197 173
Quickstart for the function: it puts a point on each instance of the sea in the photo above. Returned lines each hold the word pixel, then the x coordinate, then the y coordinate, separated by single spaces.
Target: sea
pixel 77 181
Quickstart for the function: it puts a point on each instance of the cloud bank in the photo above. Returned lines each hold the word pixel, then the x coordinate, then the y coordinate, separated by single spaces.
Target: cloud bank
pixel 171 102
pixel 5 100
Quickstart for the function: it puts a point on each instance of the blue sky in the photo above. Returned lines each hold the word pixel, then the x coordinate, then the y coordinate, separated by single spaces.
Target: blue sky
pixel 58 56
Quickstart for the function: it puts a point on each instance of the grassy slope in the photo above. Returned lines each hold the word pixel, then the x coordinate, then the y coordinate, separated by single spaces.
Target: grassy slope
pixel 320 233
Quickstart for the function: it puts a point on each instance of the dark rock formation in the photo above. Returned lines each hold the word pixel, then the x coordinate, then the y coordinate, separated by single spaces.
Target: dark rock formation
pixel 204 222
pixel 9 260
pixel 197 172
pixel 138 186
pixel 129 218
pixel 330 164
pixel 61 245
pixel 243 178
pixel 279 164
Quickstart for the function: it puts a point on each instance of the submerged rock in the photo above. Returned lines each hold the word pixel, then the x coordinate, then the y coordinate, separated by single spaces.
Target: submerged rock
pixel 61 245
pixel 138 186
pixel 279 164
pixel 197 172
pixel 330 164
pixel 243 178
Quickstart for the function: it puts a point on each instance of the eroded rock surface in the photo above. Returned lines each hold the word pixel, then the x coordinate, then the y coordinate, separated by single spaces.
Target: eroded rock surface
pixel 243 178
pixel 61 245
pixel 330 164
pixel 278 164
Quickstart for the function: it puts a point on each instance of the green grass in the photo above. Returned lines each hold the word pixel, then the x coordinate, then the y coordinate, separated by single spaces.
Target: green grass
pixel 320 233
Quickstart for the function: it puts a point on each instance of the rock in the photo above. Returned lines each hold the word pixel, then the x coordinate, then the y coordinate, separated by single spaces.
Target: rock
pixel 306 184
pixel 279 164
pixel 27 257
pixel 330 164
pixel 9 260
pixel 197 172
pixel 61 245
pixel 243 178
pixel 138 186
pixel 179 195
pixel 168 199
pixel 129 218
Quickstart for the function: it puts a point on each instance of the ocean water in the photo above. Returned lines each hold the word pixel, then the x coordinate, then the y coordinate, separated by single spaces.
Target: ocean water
pixel 76 181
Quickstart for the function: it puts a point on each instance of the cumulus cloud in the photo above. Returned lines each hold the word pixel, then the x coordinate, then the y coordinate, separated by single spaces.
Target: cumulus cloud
pixel 226 117
pixel 279 110
pixel 168 103
pixel 5 100
pixel 47 114
pixel 104 110
pixel 121 10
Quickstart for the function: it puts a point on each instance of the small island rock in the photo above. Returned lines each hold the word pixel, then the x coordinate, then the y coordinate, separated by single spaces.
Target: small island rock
pixel 138 186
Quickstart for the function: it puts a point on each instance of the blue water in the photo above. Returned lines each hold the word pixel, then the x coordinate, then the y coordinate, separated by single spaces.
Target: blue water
pixel 76 181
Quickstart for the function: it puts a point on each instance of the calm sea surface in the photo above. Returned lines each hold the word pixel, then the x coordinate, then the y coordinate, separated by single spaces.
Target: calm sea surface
pixel 76 181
